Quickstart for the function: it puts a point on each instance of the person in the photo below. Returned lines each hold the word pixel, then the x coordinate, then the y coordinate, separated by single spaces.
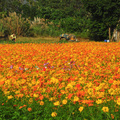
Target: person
pixel 13 37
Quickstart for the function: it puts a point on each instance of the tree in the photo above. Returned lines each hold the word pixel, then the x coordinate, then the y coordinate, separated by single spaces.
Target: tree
pixel 10 6
pixel 58 7
pixel 105 15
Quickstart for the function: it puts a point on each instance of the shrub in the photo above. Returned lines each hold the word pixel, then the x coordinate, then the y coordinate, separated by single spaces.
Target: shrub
pixel 42 27
pixel 15 24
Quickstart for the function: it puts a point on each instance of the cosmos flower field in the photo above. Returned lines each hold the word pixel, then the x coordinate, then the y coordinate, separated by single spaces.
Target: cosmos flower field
pixel 75 77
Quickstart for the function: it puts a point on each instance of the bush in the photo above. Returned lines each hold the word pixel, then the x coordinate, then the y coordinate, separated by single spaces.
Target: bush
pixel 40 27
pixel 15 24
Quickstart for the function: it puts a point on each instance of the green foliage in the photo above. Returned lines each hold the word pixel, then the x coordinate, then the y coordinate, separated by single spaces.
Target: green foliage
pixel 104 14
pixel 72 25
pixel 10 109
pixel 3 14
pixel 10 6
pixel 98 31
pixel 29 11
pixel 1 28
pixel 118 26
pixel 63 41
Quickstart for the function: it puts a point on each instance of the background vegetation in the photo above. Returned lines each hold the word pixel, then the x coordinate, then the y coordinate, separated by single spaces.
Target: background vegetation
pixel 84 18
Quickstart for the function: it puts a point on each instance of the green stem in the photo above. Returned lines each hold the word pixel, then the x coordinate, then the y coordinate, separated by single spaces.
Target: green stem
pixel 91 113
pixel 108 115
pixel 70 112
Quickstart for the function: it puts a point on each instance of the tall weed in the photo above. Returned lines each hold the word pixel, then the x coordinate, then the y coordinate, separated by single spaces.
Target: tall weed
pixel 15 24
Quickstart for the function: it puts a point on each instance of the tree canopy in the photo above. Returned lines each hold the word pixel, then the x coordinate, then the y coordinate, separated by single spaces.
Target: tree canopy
pixel 104 14
pixel 95 16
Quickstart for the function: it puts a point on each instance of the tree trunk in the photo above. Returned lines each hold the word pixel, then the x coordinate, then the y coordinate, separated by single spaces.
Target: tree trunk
pixel 118 36
pixel 109 34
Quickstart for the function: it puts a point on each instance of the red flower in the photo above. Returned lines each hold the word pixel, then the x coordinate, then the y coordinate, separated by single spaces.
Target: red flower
pixel 44 69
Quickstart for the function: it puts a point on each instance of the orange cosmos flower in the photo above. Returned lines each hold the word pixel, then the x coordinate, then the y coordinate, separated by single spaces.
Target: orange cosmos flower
pixel 41 97
pixel 29 109
pixel 20 107
pixel 53 114
pixel 112 116
pixel 2 82
pixel 24 105
pixel 105 109
pixel 110 81
pixel 70 95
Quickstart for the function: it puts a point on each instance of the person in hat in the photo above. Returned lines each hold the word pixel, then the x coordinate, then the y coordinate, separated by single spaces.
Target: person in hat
pixel 13 37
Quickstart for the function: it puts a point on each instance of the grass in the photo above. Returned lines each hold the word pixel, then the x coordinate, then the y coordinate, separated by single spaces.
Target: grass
pixel 32 40
pixel 38 40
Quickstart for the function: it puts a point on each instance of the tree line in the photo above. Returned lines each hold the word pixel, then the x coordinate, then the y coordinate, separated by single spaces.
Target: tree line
pixel 97 18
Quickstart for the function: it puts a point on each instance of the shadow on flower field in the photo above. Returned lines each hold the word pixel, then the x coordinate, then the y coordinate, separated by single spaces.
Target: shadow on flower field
pixel 51 81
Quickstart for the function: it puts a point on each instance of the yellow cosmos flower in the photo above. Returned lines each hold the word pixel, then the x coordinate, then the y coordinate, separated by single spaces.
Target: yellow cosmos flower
pixel 64 102
pixel 54 80
pixel 100 94
pixel 17 92
pixel 75 99
pixel 105 109
pixel 43 90
pixel 6 92
pixel 10 97
pixel 90 91
pixel 35 95
pixel 73 113
pixel 69 86
pixel 81 109
pixel 53 114
pixel 62 91
pixel 29 84
pixel 118 101
pixel 56 103
pixel 99 101
pixel 41 103
pixel 111 91
pixel 73 83
pixel 51 99
pixel 30 100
